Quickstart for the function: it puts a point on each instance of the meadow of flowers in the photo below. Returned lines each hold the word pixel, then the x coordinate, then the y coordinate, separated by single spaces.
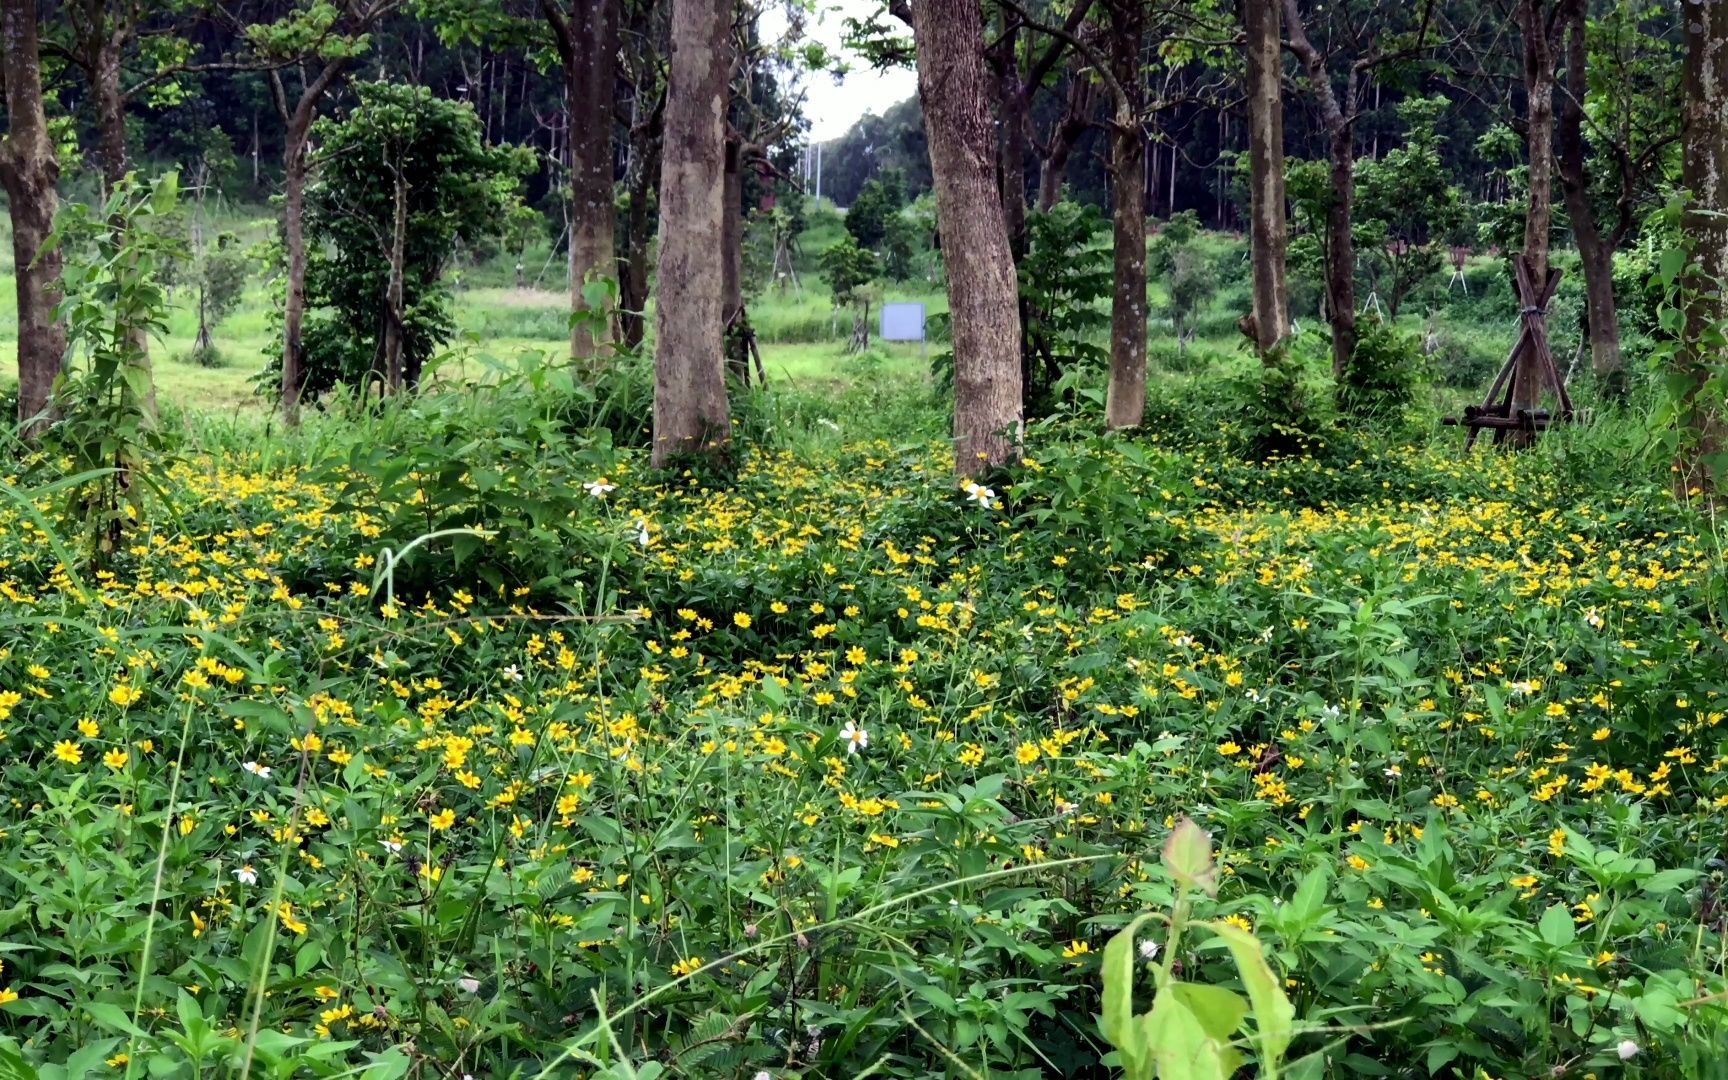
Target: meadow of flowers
pixel 835 768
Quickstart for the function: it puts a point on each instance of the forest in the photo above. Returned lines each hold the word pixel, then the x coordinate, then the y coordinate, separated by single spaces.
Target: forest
pixel 581 538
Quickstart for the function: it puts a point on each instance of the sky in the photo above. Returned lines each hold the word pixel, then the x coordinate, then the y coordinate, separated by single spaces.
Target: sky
pixel 832 106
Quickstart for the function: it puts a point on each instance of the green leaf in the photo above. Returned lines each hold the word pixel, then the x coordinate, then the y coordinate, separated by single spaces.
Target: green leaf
pixel 1310 899
pixel 1188 857
pixel 1219 1011
pixel 1117 1022
pixel 1181 1047
pixel 114 1018
pixel 1274 1016
pixel 1556 927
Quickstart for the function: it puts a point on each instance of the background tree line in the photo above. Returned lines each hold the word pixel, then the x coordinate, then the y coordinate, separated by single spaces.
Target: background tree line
pixel 1366 142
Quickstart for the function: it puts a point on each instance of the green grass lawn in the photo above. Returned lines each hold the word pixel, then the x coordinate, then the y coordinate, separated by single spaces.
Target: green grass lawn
pixel 502 323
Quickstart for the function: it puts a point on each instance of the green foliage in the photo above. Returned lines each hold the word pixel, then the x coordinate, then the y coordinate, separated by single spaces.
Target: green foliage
pixel 1285 400
pixel 848 268
pixel 458 190
pixel 1188 272
pixel 317 772
pixel 878 202
pixel 1385 373
pixel 1190 1031
pixel 220 278
pixel 1406 206
pixel 114 300
pixel 1065 281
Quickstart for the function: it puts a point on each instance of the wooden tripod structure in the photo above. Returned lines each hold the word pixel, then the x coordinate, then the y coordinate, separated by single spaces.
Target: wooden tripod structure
pixel 741 348
pixel 1531 350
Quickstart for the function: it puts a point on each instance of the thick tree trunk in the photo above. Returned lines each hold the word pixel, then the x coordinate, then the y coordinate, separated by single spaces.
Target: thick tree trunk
pixel 690 409
pixel 954 89
pixel 591 72
pixel 1125 400
pixel 732 261
pixel 1595 253
pixel 29 170
pixel 1539 220
pixel 1704 173
pixel 1270 233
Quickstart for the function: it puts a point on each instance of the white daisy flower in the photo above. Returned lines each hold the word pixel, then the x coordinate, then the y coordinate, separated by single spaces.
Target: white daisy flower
pixel 855 737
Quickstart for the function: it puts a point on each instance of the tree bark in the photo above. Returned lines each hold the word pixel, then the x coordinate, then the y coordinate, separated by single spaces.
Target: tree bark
pixel 954 89
pixel 1704 172
pixel 294 239
pixel 110 108
pixel 589 51
pixel 638 222
pixel 1539 220
pixel 1341 143
pixel 1015 104
pixel 641 170
pixel 393 313
pixel 102 52
pixel 1595 253
pixel 297 126
pixel 1270 233
pixel 29 170
pixel 1125 399
pixel 732 260
pixel 690 408
pixel 1053 169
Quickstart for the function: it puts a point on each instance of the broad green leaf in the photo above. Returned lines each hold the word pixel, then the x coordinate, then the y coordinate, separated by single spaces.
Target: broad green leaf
pixel 1188 857
pixel 1556 927
pixel 1117 1023
pixel 1219 1011
pixel 1274 1016
pixel 1180 1045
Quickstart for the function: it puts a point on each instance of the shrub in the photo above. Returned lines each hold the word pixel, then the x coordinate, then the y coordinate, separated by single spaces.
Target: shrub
pixel 204 356
pixel 1464 361
pixel 1385 371
pixel 1285 400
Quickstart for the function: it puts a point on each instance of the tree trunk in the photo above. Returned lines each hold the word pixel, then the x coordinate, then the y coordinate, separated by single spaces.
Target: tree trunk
pixel 1538 222
pixel 1016 104
pixel 110 108
pixel 954 89
pixel 633 288
pixel 690 409
pixel 294 239
pixel 1341 142
pixel 1704 173
pixel 393 314
pixel 29 170
pixel 732 263
pixel 1053 170
pixel 1125 401
pixel 1266 173
pixel 1595 254
pixel 1341 250
pixel 591 74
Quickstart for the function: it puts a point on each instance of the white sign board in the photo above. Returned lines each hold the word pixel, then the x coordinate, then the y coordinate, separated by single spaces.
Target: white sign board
pixel 902 322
